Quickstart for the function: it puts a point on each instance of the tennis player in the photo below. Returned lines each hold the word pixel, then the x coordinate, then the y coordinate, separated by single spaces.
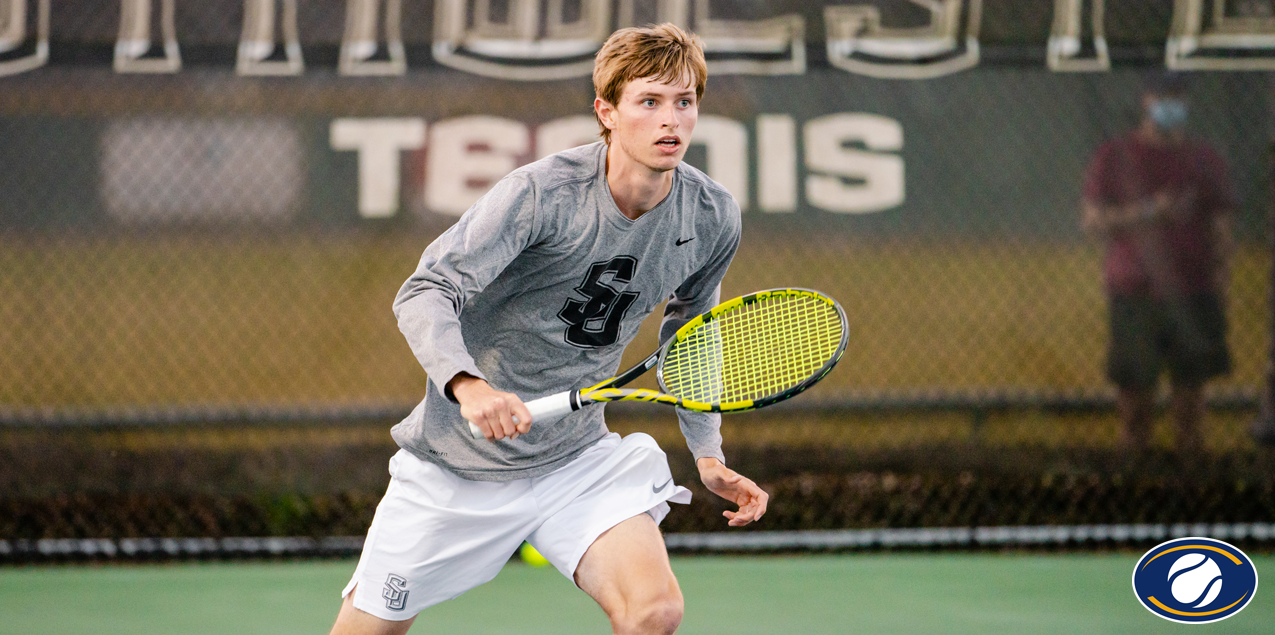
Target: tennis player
pixel 537 289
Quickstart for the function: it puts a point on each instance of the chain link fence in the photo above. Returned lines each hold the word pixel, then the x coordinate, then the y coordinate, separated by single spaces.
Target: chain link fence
pixel 206 209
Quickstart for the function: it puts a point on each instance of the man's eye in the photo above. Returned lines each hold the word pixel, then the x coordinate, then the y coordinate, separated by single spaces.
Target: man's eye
pixel 686 103
pixel 648 102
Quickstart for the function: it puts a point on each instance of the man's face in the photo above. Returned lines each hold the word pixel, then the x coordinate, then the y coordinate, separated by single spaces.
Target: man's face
pixel 652 122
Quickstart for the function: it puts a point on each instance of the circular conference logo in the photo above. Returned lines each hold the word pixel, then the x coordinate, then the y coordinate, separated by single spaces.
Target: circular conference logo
pixel 1195 580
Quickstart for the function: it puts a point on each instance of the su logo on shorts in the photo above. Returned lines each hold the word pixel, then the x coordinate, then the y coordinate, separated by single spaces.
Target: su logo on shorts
pixel 395 592
pixel 1195 580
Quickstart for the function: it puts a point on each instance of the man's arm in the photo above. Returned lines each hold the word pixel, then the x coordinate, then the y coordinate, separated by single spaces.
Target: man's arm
pixel 696 295
pixel 455 267
pixel 701 292
pixel 1223 249
pixel 1219 198
pixel 1101 219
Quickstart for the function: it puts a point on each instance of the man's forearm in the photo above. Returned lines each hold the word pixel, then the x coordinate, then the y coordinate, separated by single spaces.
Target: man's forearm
pixel 429 322
pixel 458 384
pixel 1223 237
pixel 1223 249
pixel 706 462
pixel 1102 219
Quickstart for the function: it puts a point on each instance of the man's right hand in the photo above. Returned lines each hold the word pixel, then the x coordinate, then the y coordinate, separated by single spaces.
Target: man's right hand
pixel 1173 205
pixel 489 409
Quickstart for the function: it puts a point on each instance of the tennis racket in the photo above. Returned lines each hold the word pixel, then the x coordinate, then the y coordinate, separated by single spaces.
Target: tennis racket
pixel 744 354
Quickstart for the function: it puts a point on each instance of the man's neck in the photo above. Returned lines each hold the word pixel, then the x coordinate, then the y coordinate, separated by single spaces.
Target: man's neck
pixel 1155 135
pixel 635 188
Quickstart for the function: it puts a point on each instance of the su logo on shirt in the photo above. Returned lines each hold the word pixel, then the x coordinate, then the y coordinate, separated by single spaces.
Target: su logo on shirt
pixel 595 322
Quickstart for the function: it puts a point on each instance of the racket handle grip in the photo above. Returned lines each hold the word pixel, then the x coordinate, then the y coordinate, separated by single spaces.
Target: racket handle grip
pixel 543 410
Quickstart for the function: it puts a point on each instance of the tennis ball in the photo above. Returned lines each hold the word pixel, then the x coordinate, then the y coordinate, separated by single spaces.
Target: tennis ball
pixel 1195 577
pixel 531 556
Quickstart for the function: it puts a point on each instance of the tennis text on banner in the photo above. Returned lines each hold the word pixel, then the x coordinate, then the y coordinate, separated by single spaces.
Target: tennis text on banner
pixel 851 160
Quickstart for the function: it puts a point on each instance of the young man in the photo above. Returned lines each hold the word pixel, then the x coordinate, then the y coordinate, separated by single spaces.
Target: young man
pixel 1162 204
pixel 537 289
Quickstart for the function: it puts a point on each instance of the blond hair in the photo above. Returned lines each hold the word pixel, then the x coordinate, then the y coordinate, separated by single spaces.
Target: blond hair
pixel 663 52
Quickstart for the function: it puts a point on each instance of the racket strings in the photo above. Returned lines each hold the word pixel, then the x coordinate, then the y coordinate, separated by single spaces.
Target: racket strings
pixel 757 350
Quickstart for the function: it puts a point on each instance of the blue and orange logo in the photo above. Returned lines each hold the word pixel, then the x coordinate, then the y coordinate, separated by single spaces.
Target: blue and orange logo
pixel 1195 580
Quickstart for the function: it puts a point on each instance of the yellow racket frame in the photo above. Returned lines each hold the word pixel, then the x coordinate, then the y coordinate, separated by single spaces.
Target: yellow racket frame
pixel 610 391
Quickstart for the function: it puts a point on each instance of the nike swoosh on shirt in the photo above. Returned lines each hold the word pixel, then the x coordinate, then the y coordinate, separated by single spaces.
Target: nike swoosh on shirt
pixel 657 490
pixel 679 242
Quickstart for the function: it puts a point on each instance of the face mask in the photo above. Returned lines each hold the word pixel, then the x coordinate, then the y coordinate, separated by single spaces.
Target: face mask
pixel 1168 114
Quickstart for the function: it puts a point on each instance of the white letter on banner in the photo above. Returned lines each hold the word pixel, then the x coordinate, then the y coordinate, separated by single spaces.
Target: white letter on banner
pixel 776 163
pixel 727 143
pixel 361 41
pixel 13 24
pixel 135 40
pixel 467 155
pixel 767 46
pixel 565 133
pixel 880 175
pixel 533 40
pixel 257 44
pixel 15 39
pixel 1233 36
pixel 859 43
pixel 1066 41
pixel 378 142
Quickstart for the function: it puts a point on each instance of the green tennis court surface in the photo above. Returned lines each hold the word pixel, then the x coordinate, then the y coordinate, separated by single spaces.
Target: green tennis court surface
pixel 792 595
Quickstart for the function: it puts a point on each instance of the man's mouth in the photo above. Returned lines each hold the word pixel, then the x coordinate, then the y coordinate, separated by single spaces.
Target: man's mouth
pixel 669 142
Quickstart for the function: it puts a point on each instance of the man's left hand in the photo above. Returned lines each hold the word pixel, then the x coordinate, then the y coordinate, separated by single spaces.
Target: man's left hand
pixel 732 486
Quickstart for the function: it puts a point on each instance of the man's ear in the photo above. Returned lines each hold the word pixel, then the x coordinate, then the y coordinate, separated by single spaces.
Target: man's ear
pixel 605 111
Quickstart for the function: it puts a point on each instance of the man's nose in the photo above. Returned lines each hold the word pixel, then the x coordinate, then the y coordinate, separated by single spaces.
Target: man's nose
pixel 669 116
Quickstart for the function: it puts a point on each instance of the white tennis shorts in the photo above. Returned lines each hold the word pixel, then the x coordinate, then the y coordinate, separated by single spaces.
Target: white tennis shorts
pixel 436 535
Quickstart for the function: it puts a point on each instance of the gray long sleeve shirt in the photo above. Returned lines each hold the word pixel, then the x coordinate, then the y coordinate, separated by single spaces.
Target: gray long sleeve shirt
pixel 539 287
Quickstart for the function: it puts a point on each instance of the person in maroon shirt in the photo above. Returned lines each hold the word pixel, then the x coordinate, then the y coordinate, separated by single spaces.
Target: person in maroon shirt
pixel 1161 203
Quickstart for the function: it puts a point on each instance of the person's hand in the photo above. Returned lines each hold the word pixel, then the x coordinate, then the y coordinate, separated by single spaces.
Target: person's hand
pixel 730 485
pixel 1173 205
pixel 491 410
